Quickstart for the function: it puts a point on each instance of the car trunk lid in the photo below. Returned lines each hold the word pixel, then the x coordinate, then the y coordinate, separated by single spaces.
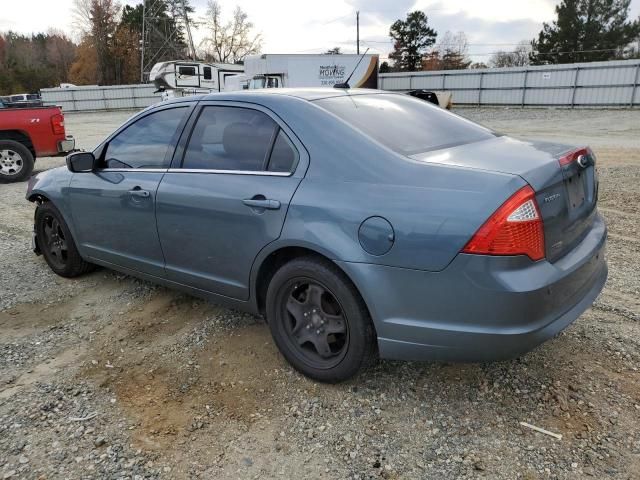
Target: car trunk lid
pixel 566 193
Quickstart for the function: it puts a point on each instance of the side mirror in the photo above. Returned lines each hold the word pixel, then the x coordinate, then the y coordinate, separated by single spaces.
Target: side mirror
pixel 79 162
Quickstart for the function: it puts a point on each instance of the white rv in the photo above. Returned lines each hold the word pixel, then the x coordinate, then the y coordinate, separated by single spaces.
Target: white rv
pixel 179 78
pixel 291 70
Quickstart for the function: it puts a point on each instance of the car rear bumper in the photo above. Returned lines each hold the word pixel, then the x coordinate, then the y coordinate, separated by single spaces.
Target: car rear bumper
pixel 480 308
pixel 66 145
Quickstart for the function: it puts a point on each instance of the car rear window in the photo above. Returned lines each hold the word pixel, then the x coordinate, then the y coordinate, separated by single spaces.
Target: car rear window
pixel 405 124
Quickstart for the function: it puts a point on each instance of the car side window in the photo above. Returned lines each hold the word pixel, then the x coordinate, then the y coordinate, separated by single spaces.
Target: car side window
pixel 230 138
pixel 145 143
pixel 284 155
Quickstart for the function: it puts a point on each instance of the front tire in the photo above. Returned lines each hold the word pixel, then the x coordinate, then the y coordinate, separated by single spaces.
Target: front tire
pixel 319 321
pixel 16 161
pixel 56 243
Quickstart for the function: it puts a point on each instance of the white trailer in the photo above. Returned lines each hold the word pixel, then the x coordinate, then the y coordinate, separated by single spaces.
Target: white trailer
pixel 301 70
pixel 179 78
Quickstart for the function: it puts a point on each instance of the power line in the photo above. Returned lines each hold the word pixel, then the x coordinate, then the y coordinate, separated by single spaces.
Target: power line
pixel 337 19
pixel 454 44
pixel 368 42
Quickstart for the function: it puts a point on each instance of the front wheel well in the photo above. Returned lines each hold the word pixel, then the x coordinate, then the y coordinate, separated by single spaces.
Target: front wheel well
pixel 37 198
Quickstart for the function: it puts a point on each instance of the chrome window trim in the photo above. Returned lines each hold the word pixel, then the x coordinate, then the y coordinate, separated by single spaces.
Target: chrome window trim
pixel 148 170
pixel 196 170
pixel 230 172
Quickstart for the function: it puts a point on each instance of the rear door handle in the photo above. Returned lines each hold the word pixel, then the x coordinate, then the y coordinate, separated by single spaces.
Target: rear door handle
pixel 262 203
pixel 137 192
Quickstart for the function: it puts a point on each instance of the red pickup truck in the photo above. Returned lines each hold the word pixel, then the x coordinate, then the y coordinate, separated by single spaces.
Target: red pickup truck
pixel 28 133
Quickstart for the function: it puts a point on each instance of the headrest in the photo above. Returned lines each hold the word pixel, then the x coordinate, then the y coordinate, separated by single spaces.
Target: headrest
pixel 239 145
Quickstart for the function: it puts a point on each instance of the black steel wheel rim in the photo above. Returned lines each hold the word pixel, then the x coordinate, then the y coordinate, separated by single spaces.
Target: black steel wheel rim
pixel 314 323
pixel 54 241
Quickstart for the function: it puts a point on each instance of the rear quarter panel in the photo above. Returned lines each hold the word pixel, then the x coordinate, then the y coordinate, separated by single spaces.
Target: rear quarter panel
pixel 431 224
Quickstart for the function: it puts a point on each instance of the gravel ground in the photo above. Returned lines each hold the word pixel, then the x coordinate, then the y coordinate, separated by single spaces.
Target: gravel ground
pixel 107 376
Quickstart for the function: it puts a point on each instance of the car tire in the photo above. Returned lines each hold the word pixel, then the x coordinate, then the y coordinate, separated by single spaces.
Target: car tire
pixel 16 161
pixel 319 321
pixel 56 243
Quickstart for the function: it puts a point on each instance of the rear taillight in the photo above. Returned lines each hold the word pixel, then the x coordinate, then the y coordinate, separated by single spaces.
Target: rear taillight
pixel 57 124
pixel 573 156
pixel 514 229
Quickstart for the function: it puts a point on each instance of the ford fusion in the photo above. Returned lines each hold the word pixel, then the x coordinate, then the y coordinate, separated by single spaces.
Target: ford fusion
pixel 359 223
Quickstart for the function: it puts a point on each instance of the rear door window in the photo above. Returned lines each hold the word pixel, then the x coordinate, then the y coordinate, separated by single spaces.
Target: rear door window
pixel 230 138
pixel 404 124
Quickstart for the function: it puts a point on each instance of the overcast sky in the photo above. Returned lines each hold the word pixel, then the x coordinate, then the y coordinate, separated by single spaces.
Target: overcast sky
pixel 298 26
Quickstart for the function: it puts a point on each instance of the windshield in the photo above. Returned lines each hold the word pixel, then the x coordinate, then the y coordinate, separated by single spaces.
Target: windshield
pixel 404 124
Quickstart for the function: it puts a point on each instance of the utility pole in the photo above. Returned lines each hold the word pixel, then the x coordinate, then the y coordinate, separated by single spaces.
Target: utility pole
pixel 358 31
pixel 142 41
pixel 160 35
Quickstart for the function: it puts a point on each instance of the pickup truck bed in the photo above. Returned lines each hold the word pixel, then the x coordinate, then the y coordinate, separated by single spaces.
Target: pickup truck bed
pixel 27 134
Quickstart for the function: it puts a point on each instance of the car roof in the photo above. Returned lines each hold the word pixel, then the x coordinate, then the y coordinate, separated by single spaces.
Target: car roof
pixel 269 94
pixel 309 94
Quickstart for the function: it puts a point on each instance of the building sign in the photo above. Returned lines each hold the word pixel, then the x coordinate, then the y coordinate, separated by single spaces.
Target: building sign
pixel 331 74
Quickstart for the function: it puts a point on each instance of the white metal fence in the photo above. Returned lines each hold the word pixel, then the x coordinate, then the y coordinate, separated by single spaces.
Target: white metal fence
pixel 114 97
pixel 596 84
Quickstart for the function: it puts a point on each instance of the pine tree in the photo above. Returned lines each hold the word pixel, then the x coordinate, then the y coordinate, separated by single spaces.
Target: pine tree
pixel 586 31
pixel 412 37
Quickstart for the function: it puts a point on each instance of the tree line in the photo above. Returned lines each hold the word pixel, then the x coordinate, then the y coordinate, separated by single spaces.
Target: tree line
pixel 107 50
pixel 27 63
pixel 583 31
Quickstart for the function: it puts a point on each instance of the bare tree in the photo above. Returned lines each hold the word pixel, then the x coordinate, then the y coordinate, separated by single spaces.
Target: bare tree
pixel 61 52
pixel 519 57
pixel 228 42
pixel 450 53
pixel 81 17
pixel 453 50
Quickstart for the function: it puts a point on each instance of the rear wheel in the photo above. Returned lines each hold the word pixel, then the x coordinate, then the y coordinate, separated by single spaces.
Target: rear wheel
pixel 56 243
pixel 319 321
pixel 16 161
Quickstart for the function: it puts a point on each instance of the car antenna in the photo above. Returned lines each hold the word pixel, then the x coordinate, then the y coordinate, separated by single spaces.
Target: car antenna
pixel 346 82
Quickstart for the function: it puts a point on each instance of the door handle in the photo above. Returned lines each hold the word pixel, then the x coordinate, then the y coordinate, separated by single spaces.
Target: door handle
pixel 262 203
pixel 137 192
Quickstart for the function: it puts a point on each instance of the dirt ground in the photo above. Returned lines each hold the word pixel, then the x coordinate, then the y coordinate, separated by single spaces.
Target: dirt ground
pixel 107 376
